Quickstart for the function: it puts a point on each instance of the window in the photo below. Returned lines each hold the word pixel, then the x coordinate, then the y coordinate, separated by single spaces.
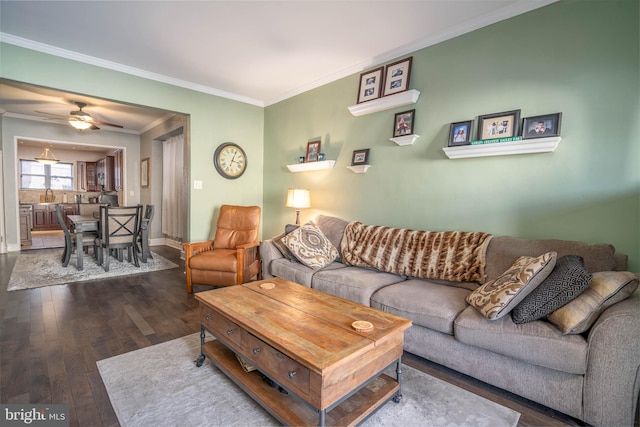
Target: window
pixel 36 176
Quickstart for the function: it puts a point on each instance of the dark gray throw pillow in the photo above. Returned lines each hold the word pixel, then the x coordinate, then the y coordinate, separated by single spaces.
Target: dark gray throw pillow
pixel 568 279
pixel 279 244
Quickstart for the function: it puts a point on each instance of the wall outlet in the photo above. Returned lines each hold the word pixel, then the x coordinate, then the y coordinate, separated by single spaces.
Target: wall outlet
pixel 197 185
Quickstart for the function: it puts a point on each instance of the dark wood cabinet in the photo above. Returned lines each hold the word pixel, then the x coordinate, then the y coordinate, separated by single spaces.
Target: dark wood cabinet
pixel 104 174
pixel 44 216
pixel 87 176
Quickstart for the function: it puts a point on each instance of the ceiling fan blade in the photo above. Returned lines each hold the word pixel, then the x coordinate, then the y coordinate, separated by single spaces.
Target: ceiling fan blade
pixel 105 123
pixel 50 114
pixel 94 127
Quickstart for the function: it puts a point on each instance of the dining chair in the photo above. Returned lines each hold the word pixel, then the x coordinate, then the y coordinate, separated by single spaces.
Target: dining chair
pixel 118 231
pixel 70 243
pixel 143 235
pixel 233 256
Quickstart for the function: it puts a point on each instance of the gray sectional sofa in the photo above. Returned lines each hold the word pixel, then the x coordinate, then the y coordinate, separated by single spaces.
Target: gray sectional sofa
pixel 593 376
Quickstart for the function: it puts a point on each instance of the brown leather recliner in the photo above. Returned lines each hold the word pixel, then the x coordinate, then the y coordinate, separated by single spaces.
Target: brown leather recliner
pixel 233 256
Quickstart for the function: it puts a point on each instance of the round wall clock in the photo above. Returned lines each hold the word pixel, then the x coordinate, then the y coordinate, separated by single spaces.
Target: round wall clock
pixel 230 160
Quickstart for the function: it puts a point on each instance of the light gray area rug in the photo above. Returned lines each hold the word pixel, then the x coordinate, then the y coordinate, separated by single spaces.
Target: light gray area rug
pixel 161 386
pixel 38 269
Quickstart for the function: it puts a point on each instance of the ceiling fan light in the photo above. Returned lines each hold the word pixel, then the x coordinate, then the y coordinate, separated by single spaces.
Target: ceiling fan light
pixel 47 158
pixel 79 124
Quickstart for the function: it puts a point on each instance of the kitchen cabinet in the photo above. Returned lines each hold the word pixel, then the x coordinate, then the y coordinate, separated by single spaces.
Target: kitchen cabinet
pixel 117 170
pixel 25 225
pixel 87 176
pixel 44 215
pixel 104 174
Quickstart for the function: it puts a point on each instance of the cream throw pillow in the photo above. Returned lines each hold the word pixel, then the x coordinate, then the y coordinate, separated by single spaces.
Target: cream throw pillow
pixel 607 288
pixel 310 246
pixel 498 297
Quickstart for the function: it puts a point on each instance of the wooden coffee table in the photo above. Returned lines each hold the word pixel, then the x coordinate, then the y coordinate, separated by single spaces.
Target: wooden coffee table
pixel 321 370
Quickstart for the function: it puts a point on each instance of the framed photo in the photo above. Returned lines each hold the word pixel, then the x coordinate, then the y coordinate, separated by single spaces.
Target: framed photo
pixel 144 173
pixel 460 133
pixel 498 125
pixel 541 126
pixel 403 123
pixel 313 151
pixel 360 157
pixel 397 76
pixel 370 85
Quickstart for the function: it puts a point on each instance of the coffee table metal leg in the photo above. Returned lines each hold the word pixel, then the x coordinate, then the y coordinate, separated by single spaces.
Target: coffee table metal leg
pixel 200 359
pixel 398 397
pixel 323 414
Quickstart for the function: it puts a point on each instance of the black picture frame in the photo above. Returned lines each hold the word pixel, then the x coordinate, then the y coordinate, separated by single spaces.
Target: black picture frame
pixel 543 126
pixel 499 125
pixel 360 157
pixel 313 151
pixel 404 123
pixel 397 76
pixel 370 86
pixel 460 133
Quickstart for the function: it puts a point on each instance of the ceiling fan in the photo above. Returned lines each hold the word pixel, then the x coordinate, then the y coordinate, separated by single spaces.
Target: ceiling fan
pixel 81 120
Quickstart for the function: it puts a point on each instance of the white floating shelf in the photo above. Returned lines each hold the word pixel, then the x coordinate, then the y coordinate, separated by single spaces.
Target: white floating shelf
pixel 385 103
pixel 405 140
pixel 311 166
pixel 524 146
pixel 359 168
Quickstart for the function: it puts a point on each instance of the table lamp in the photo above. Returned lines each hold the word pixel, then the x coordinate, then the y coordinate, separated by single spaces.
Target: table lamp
pixel 299 199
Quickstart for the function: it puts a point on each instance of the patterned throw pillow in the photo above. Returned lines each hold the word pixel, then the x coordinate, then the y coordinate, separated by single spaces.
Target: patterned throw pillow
pixel 279 244
pixel 607 288
pixel 310 246
pixel 568 279
pixel 496 298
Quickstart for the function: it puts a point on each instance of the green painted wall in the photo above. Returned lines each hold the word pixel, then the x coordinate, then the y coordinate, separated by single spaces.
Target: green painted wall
pixel 213 120
pixel 578 58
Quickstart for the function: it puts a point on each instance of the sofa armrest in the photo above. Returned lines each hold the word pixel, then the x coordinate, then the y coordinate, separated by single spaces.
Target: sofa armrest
pixel 268 253
pixel 613 370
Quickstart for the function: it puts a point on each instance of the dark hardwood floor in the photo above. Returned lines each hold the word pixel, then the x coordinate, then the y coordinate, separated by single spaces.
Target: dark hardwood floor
pixel 51 338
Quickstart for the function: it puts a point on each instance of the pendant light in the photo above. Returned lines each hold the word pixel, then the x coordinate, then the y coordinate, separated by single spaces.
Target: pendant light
pixel 47 158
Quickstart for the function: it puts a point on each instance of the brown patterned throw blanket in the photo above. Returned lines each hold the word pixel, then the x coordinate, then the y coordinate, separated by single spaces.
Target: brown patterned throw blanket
pixel 448 255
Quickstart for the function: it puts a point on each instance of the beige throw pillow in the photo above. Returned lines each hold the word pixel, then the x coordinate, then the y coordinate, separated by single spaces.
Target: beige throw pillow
pixel 498 297
pixel 310 246
pixel 607 288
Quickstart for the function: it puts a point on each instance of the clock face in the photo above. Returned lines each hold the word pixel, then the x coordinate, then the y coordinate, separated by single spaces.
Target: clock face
pixel 230 160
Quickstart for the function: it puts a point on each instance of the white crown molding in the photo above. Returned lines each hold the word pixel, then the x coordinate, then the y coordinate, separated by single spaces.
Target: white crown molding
pixel 91 60
pixel 517 8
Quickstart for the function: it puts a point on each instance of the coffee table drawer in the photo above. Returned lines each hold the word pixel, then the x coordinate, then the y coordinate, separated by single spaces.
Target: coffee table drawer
pixel 283 369
pixel 225 329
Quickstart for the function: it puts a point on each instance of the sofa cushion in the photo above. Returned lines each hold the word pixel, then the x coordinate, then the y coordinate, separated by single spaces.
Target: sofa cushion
pixel 504 250
pixel 279 244
pixel 352 283
pixel 333 228
pixel 426 303
pixel 607 288
pixel 310 246
pixel 568 279
pixel 296 271
pixel 538 342
pixel 498 297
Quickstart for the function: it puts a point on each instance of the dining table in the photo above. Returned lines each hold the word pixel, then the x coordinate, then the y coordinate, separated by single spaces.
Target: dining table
pixel 82 223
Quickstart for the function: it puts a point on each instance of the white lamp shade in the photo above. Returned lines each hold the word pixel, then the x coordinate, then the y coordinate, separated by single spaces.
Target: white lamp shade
pixel 298 198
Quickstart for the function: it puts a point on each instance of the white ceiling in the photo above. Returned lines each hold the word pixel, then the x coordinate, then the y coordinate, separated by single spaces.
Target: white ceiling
pixel 259 52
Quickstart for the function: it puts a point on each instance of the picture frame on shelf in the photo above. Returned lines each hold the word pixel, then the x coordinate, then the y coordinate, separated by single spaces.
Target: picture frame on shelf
pixel 397 76
pixel 360 157
pixel 403 123
pixel 460 133
pixel 370 87
pixel 313 151
pixel 144 173
pixel 544 126
pixel 499 125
